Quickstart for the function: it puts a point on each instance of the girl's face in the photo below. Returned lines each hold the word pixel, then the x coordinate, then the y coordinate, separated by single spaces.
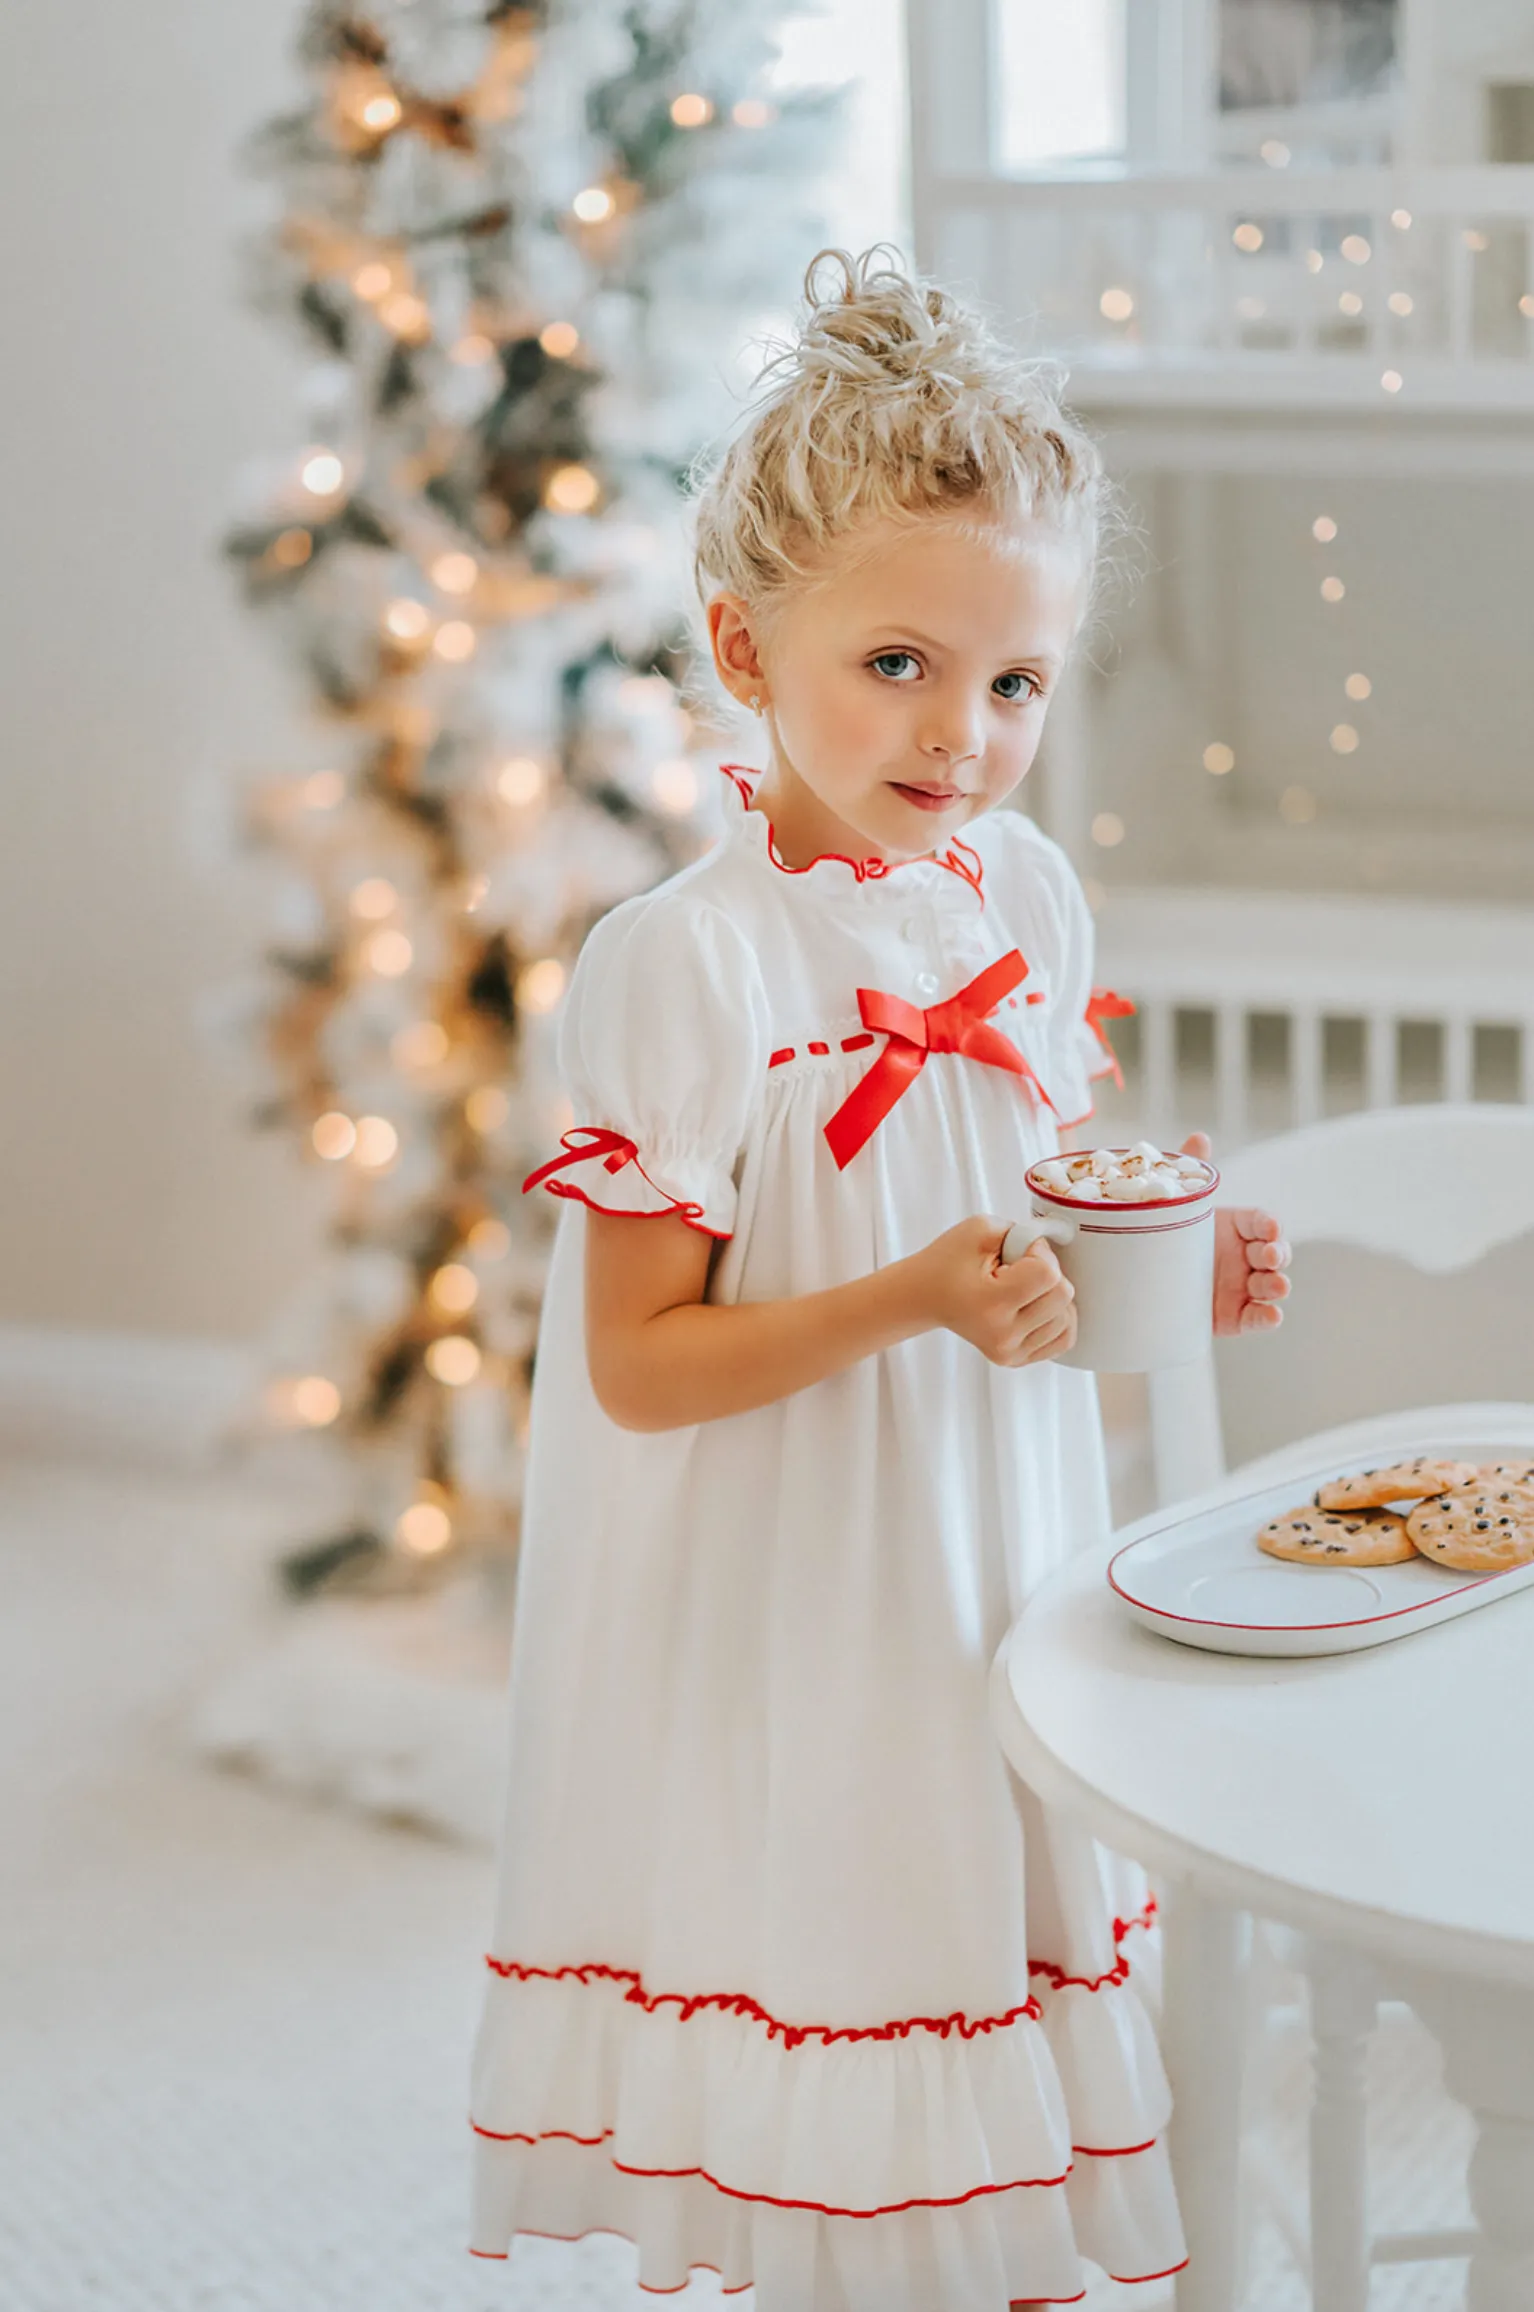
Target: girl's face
pixel 905 692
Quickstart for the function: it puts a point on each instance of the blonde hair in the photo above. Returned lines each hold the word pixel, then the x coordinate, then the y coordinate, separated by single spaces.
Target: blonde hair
pixel 894 401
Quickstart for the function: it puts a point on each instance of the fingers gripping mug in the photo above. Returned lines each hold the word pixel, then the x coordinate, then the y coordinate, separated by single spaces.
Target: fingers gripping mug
pixel 1143 1272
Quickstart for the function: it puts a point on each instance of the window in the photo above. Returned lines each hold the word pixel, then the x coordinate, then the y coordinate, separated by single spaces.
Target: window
pixel 1062 81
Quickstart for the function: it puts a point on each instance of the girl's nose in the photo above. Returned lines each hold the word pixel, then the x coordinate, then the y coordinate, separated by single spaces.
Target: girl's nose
pixel 955 736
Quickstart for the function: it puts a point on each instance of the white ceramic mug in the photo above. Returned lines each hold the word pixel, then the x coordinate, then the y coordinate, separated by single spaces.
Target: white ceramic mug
pixel 1143 1273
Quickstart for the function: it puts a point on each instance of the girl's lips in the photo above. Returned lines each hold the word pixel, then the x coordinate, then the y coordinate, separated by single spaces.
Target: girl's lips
pixel 926 799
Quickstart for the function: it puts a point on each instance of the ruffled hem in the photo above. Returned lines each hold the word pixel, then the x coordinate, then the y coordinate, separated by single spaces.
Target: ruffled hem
pixel 711 2133
pixel 607 1176
pixel 978 2257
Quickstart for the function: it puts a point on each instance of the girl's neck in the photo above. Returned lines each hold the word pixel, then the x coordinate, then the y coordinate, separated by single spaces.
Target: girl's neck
pixel 804 828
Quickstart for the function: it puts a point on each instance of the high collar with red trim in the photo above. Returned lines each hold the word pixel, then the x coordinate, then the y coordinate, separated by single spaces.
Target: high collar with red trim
pixel 956 871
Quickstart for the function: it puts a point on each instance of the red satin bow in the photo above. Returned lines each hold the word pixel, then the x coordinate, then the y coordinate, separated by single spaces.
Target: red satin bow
pixel 1102 1005
pixel 957 1025
pixel 585 1140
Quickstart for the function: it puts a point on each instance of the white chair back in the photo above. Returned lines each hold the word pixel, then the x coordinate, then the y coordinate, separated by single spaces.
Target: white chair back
pixel 1436 1187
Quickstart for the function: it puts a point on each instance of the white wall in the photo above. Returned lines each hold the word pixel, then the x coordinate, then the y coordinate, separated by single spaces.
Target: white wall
pixel 130 1192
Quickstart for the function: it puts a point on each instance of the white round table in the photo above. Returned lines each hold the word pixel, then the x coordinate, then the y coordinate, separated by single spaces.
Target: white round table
pixel 1382 1800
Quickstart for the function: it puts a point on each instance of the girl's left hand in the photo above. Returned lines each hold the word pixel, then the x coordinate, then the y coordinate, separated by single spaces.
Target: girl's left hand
pixel 1250 1257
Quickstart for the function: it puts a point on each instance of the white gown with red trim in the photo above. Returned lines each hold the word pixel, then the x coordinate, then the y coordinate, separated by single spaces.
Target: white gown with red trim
pixel 790 1976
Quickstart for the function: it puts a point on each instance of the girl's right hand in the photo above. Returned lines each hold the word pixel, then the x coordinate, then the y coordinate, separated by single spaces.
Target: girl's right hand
pixel 1014 1314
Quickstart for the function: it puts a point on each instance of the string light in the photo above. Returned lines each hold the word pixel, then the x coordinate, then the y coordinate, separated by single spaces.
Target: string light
pixel 455 640
pixel 1219 758
pixel 1355 248
pixel 322 473
pixel 592 204
pixel 1297 806
pixel 291 549
pixel 675 786
pixel 423 1044
pixel 1275 152
pixel 1314 261
pixel 1401 219
pixel 1350 302
pixel 454 1360
pixel 454 1288
pixel 470 350
pixel 407 620
pixel 1358 686
pixel 1115 305
pixel 691 111
pixel 1344 739
pixel 521 781
pixel 424 1528
pixel 487 1108
pixel 1400 301
pixel 322 790
pixel 1324 529
pixel 373 899
pixel 1332 590
pixel 541 985
pixel 454 573
pixel 1392 380
pixel 1251 308
pixel 382 112
pixel 333 1135
pixel 474 893
pixel 1107 829
pixel 1475 241
pixel 489 1239
pixel 388 953
pixel 751 113
pixel 571 490
pixel 1094 893
pixel 1248 237
pixel 377 1142
pixel 405 315
pixel 316 1401
pixel 373 280
pixel 1526 307
pixel 559 340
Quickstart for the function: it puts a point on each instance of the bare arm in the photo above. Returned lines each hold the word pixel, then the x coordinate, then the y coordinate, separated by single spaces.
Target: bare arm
pixel 661 1357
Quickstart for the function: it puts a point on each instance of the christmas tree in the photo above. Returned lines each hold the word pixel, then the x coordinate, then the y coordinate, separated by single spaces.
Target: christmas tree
pixel 522 245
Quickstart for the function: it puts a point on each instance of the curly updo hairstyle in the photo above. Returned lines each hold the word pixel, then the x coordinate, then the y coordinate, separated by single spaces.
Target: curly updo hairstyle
pixel 894 401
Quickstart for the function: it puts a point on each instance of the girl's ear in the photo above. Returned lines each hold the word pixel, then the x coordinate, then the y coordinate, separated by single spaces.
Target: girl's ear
pixel 732 633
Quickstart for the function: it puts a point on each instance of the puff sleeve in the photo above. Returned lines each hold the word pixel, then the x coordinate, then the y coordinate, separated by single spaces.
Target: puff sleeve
pixel 1076 1045
pixel 663 1051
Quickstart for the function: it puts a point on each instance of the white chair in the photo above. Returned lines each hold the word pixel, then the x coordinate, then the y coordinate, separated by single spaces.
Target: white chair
pixel 1394 1182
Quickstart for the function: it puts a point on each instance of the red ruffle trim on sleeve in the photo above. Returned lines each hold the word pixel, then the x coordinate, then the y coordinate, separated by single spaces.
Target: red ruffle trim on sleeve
pixel 587 1143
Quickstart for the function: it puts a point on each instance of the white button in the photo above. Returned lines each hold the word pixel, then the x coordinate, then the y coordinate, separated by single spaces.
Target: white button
pixel 926 983
pixel 911 928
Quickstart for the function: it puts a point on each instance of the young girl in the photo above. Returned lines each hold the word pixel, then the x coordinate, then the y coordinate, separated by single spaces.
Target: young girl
pixel 790 1976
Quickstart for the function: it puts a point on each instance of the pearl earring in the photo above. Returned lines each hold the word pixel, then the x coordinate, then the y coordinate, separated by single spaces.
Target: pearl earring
pixel 756 704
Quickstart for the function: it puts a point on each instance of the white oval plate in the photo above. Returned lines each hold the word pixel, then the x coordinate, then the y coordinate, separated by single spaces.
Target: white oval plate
pixel 1202 1580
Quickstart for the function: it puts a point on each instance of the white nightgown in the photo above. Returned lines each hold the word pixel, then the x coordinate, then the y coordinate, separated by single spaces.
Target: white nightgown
pixel 790 1976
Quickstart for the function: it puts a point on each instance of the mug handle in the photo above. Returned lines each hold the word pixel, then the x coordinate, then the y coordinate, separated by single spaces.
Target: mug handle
pixel 1025 1233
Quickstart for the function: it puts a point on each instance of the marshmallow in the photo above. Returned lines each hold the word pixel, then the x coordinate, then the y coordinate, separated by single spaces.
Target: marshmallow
pixel 1143 1174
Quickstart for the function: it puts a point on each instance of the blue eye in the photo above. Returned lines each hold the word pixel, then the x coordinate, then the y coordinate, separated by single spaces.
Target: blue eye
pixel 889 663
pixel 1032 690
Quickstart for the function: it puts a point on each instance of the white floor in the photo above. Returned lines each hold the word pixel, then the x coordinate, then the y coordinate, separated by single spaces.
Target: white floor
pixel 236 2027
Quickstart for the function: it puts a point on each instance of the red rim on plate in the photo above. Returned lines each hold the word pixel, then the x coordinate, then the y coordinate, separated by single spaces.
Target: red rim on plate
pixel 1108 1204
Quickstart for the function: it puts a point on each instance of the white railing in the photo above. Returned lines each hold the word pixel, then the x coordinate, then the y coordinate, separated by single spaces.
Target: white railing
pixel 1338 288
pixel 1258 1011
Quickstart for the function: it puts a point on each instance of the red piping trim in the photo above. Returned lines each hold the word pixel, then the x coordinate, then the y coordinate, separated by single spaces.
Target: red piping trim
pixel 594 2143
pixel 1117 1973
pixel 960 859
pixel 778 1058
pixel 817 2208
pixel 737 2003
